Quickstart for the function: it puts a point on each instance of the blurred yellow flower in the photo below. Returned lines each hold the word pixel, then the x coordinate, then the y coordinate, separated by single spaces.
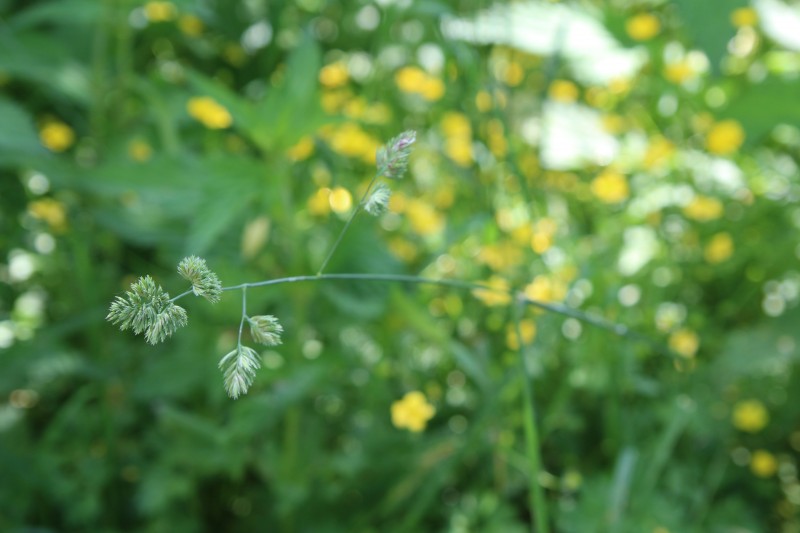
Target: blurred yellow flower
pixel 610 187
pixel 719 248
pixel 56 136
pixel 398 202
pixel 334 75
pixel 51 211
pixel 302 149
pixel 643 27
pixel 410 79
pixel 725 137
pixel 341 200
pixel 432 89
pixel 684 342
pixel 412 412
pixel 750 416
pixel 500 256
pixel 459 149
pixel 496 292
pixel 456 124
pixel 403 249
pixel 352 141
pixel 527 328
pixel 319 203
pixel 679 72
pixel 545 289
pixel 542 235
pixel 563 91
pixel 744 16
pixel 160 11
pixel 513 74
pixel 234 54
pixel 424 219
pixel 209 112
pixel 658 151
pixel 190 25
pixel 703 209
pixel 333 101
pixel 139 150
pixel 483 101
pixel 763 464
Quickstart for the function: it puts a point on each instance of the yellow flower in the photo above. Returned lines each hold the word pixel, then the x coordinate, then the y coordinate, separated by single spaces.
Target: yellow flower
pixel 545 289
pixel 563 91
pixel 500 256
pixel 642 27
pixel 139 150
pixel 319 203
pixel 744 16
pixel 352 141
pixel 459 150
pixel 340 199
pixel 160 11
pixel 679 71
pixel 302 149
pixel 432 89
pixel 528 329
pixel 763 464
pixel 190 25
pixel 610 187
pixel 658 151
pixel 334 75
pixel 333 101
pixel 513 74
pixel 424 219
pixel 412 412
pixel 410 79
pixel 456 124
pixel 56 136
pixel 703 209
pixel 403 249
pixel 684 342
pixel 51 211
pixel 234 54
pixel 496 292
pixel 483 101
pixel 209 112
pixel 750 416
pixel 542 235
pixel 725 137
pixel 719 248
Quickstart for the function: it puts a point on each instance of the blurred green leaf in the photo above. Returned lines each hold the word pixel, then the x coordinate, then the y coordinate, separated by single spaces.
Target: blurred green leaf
pixel 18 133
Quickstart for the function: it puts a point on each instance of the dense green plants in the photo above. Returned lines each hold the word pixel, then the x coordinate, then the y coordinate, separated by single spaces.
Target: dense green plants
pixel 628 165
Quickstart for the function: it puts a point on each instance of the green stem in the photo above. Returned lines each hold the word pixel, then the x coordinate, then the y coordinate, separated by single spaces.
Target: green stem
pixel 536 500
pixel 349 221
pixel 561 309
pixel 244 315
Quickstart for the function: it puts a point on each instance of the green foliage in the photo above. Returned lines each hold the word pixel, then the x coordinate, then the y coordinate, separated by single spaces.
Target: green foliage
pixel 635 162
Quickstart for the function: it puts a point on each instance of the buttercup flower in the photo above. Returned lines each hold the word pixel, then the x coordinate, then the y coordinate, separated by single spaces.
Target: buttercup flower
pixel 209 112
pixel 719 248
pixel 56 136
pixel 160 11
pixel 412 412
pixel 744 16
pixel 725 137
pixel 563 91
pixel 610 187
pixel 642 27
pixel 763 463
pixel 703 209
pixel 750 416
pixel 684 342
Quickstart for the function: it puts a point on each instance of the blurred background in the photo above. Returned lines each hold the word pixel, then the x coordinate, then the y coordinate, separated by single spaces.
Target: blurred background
pixel 636 160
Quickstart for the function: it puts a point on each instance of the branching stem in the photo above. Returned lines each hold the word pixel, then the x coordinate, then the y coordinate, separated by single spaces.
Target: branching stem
pixel 553 307
pixel 244 314
pixel 350 220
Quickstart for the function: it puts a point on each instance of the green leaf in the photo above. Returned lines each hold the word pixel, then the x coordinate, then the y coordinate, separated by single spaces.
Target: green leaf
pixel 18 133
pixel 709 26
pixel 761 107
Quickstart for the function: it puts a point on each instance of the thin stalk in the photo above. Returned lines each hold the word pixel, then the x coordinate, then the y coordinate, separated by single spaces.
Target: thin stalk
pixel 244 315
pixel 349 221
pixel 561 309
pixel 536 500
